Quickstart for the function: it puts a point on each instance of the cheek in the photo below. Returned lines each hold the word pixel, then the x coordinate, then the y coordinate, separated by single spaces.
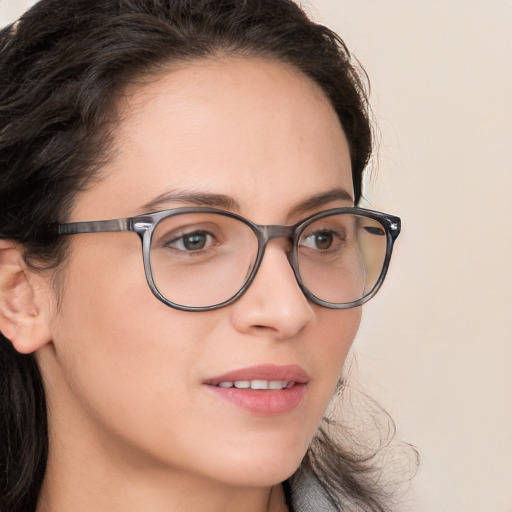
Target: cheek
pixel 337 330
pixel 101 303
pixel 115 343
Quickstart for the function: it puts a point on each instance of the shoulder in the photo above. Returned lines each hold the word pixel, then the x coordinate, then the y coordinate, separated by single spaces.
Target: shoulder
pixel 305 493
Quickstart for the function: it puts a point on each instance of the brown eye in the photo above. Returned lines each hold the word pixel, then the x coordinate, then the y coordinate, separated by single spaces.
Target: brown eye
pixel 195 241
pixel 320 240
pixel 191 241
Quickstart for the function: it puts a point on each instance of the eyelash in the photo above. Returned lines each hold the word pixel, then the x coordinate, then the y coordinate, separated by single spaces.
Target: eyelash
pixel 175 239
pixel 336 237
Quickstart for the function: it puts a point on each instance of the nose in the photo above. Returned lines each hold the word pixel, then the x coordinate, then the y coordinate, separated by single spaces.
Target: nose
pixel 274 304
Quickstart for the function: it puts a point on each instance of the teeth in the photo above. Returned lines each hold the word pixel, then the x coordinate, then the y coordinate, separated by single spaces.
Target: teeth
pixel 257 384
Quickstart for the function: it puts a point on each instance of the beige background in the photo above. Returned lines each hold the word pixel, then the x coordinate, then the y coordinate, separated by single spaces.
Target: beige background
pixel 435 346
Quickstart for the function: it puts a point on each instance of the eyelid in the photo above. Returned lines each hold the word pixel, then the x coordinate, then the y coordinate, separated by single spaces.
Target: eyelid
pixel 339 234
pixel 167 237
pixel 173 243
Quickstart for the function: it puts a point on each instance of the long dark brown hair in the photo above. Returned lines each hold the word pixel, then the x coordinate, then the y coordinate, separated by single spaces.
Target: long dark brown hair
pixel 63 66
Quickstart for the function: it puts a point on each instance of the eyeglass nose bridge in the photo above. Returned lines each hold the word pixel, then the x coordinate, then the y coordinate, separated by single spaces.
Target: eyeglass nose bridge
pixel 265 234
pixel 276 231
pixel 272 232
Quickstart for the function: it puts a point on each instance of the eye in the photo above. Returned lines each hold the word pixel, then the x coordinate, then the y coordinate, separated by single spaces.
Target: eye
pixel 190 242
pixel 321 240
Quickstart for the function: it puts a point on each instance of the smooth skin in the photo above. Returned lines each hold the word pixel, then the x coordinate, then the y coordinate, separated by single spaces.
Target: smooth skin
pixel 132 425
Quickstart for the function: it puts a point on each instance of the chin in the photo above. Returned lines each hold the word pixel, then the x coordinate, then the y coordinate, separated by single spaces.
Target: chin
pixel 262 467
pixel 268 476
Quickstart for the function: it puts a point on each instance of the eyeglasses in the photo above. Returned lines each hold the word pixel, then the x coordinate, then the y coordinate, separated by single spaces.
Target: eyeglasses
pixel 199 259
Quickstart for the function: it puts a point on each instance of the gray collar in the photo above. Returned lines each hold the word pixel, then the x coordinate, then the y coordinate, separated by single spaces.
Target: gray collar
pixel 308 495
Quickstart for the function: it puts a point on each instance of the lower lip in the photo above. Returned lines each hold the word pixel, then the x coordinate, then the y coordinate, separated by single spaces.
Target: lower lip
pixel 263 402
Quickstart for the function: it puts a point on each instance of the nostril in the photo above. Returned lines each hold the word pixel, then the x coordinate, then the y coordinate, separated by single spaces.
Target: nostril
pixel 263 328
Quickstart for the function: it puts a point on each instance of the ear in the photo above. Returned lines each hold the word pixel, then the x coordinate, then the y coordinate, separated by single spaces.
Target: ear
pixel 22 320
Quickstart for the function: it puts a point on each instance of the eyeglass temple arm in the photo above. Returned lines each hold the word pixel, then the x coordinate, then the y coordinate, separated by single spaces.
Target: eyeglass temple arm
pixel 100 226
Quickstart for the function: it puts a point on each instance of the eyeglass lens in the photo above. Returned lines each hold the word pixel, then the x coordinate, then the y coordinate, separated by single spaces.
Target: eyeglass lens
pixel 204 259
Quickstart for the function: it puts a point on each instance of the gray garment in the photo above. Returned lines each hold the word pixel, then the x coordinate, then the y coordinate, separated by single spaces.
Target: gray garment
pixel 308 495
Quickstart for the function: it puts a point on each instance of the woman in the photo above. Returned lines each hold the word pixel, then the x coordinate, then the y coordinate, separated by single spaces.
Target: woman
pixel 228 139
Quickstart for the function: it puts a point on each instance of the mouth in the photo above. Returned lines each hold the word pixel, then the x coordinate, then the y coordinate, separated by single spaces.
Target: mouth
pixel 265 390
pixel 257 384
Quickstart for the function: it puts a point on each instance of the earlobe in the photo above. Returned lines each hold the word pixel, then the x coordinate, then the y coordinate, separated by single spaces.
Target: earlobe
pixel 22 320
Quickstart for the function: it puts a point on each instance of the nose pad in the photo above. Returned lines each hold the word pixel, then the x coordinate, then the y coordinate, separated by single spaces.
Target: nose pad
pixel 274 303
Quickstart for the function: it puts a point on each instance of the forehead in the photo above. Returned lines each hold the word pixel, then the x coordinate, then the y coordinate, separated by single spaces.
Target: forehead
pixel 252 129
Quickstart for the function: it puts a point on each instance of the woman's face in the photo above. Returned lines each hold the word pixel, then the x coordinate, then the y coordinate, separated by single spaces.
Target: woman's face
pixel 130 380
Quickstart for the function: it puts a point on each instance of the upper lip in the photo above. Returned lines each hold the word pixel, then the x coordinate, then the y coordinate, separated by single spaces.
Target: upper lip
pixel 288 373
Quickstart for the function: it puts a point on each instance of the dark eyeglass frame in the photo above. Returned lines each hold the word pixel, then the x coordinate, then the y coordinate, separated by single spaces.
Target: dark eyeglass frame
pixel 144 225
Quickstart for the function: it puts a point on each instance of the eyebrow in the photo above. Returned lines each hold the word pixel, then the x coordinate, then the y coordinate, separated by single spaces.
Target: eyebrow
pixel 192 198
pixel 321 199
pixel 229 203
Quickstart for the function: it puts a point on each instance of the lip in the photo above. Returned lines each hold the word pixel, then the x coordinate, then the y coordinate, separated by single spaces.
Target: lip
pixel 289 372
pixel 269 402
